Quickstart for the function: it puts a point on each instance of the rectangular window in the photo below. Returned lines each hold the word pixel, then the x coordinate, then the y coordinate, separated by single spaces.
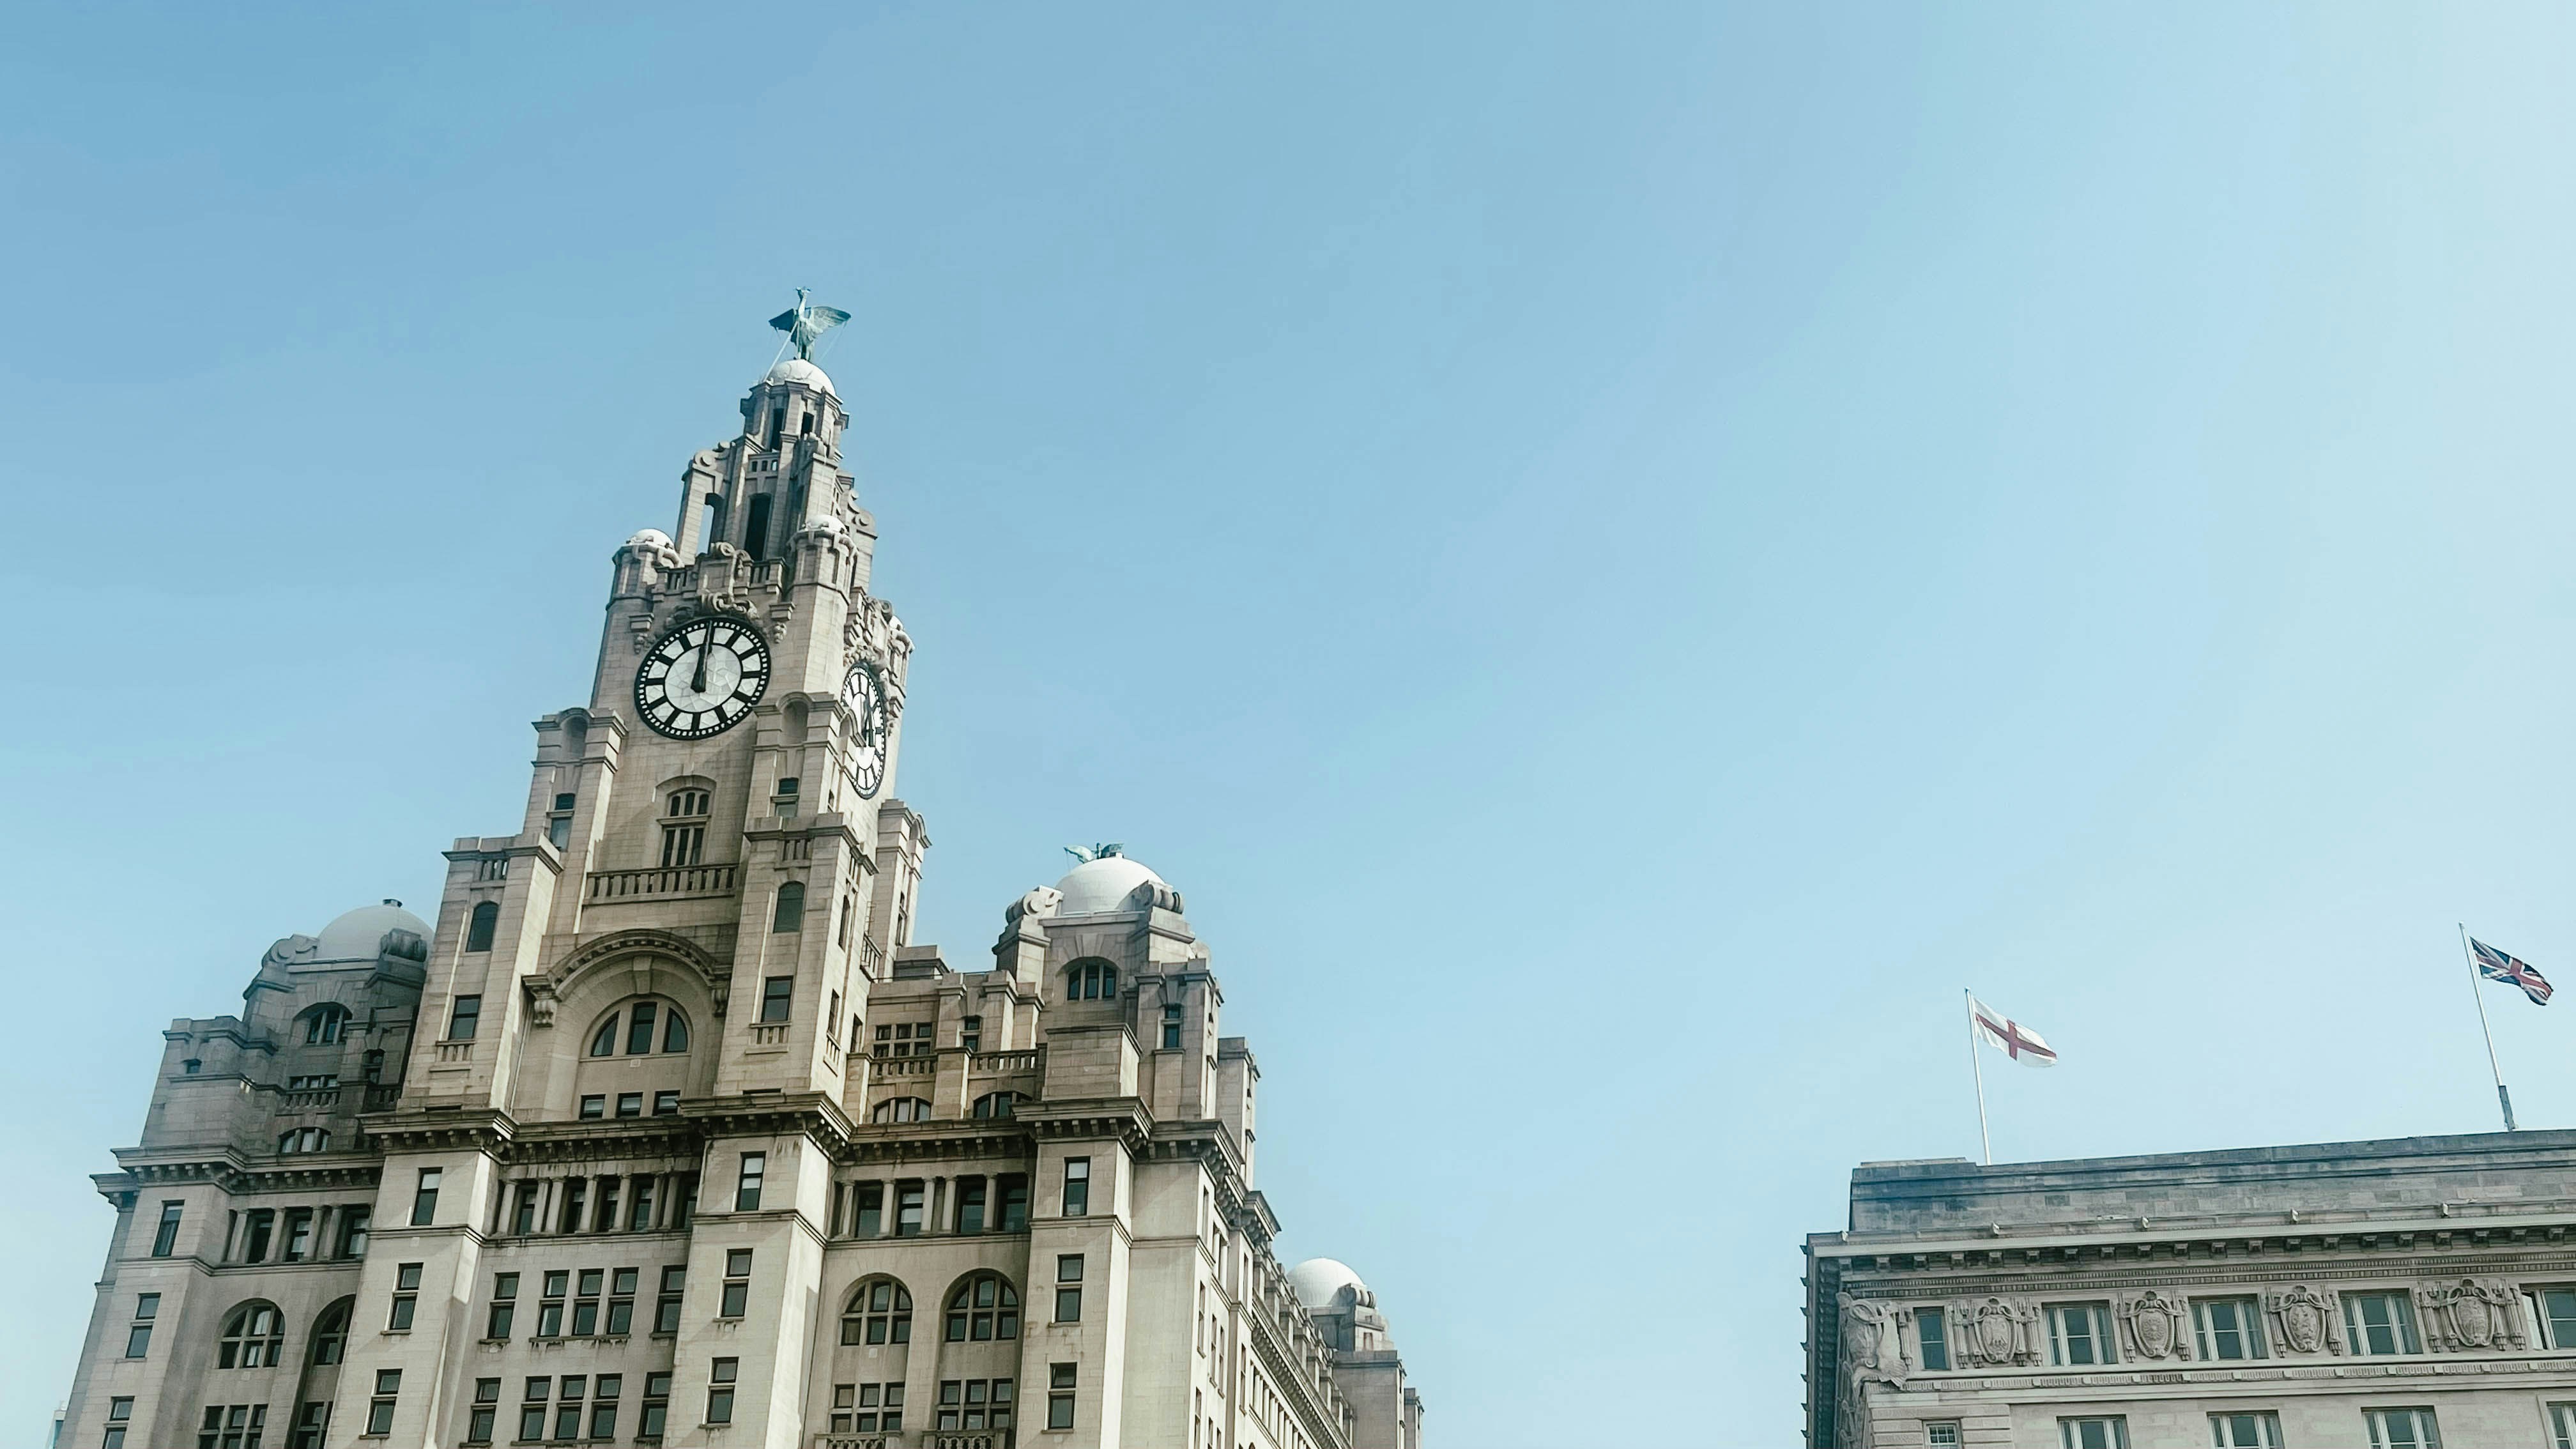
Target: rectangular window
pixel 621 1302
pixel 666 1104
pixel 2562 1425
pixel 523 1210
pixel 682 845
pixel 2229 1328
pixel 505 1305
pixel 263 1223
pixel 576 1198
pixel 1077 1187
pixel 737 1283
pixel 594 1107
pixel 776 994
pixel 832 1019
pixel 2079 1333
pixel 2245 1431
pixel 568 1408
pixel 1941 1433
pixel 603 1405
pixel 1015 1202
pixel 487 1404
pixel 585 1304
pixel 907 1209
pixel 970 1034
pixel 138 1335
pixel 2110 1432
pixel 640 1217
pixel 120 1412
pixel 550 1308
pixel 720 1382
pixel 2553 1308
pixel 2378 1324
pixel 746 1188
pixel 1171 1028
pixel 1931 1334
pixel 165 1238
pixel 299 1235
pixel 1068 1288
pixel 312 1417
pixel 424 1198
pixel 406 1297
pixel 657 1406
pixel 2402 1429
pixel 871 1213
pixel 1060 1390
pixel 974 1404
pixel 462 1017
pixel 630 1104
pixel 666 1304
pixel 970 1205
pixel 605 1220
pixel 532 1407
pixel 353 1231
pixel 380 1409
pixel 235 1426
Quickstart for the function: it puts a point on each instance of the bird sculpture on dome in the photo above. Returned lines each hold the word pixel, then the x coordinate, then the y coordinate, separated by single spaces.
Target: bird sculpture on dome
pixel 1086 854
pixel 806 322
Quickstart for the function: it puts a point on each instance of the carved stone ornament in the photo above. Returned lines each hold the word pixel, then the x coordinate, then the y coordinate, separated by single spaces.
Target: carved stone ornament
pixel 2155 1325
pixel 1996 1334
pixel 2471 1315
pixel 2303 1322
pixel 541 1002
pixel 1870 1354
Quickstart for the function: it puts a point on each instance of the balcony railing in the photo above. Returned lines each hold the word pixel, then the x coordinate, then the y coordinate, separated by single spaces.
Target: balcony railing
pixel 321 1099
pixel 1006 1064
pixel 608 887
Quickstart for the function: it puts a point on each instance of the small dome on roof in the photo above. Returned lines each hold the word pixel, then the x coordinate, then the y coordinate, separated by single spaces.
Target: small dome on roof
pixel 797 369
pixel 1102 884
pixel 652 538
pixel 1319 1280
pixel 359 935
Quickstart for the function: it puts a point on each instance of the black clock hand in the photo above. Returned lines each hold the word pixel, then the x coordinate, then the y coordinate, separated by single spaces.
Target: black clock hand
pixel 698 680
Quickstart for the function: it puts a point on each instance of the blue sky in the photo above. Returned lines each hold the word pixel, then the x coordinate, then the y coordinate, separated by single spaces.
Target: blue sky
pixel 1620 556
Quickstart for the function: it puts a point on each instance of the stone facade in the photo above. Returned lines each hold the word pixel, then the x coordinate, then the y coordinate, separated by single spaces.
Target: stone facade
pixel 2395 1293
pixel 667 1132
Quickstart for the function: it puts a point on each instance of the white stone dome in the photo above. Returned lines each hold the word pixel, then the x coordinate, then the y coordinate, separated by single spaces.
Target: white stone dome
pixel 359 935
pixel 1102 885
pixel 652 538
pixel 797 369
pixel 1319 1280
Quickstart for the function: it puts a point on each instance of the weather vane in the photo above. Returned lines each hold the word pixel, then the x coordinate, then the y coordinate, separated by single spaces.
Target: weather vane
pixel 805 323
pixel 1089 853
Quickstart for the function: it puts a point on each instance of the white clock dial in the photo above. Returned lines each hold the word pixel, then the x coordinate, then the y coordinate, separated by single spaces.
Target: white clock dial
pixel 864 692
pixel 702 677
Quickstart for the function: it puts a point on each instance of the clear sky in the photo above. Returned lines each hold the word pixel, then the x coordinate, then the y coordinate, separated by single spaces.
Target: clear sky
pixel 1619 554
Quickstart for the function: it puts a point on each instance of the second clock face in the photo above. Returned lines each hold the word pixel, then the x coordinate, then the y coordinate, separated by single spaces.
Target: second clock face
pixel 701 678
pixel 864 693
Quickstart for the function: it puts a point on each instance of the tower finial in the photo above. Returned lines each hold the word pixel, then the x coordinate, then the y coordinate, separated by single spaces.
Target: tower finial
pixel 805 322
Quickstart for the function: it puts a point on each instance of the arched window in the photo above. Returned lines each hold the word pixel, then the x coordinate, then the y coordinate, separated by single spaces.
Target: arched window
pixel 305 1139
pixel 791 908
pixel 901 1109
pixel 985 1306
pixel 325 1024
pixel 254 1337
pixel 639 1019
pixel 880 1311
pixel 479 928
pixel 1091 981
pixel 998 1104
pixel 331 1334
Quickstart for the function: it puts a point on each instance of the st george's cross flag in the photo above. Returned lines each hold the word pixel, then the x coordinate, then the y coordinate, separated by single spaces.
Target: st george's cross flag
pixel 2495 965
pixel 2009 1036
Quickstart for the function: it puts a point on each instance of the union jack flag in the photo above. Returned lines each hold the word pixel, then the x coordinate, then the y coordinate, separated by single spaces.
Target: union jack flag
pixel 2495 965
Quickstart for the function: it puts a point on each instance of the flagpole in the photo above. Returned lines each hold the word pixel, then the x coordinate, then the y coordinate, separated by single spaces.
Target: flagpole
pixel 2504 1098
pixel 1977 1069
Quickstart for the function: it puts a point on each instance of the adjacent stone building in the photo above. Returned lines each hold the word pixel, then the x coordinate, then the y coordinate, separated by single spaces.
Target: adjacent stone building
pixel 2395 1294
pixel 666 1131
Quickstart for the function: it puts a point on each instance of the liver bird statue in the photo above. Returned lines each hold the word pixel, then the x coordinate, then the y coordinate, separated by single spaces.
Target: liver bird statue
pixel 806 322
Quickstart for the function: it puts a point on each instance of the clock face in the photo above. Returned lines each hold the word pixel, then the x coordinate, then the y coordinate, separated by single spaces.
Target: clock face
pixel 864 693
pixel 702 677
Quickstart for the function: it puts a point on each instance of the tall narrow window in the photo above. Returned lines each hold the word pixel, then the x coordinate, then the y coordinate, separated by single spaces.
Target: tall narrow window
pixel 1068 1288
pixel 1014 1207
pixel 657 1406
pixel 380 1408
pixel 755 527
pixel 805 425
pixel 353 1231
pixel 2228 1328
pixel 621 1299
pixel 871 1210
pixel 736 1298
pixel 970 1204
pixel 487 1407
pixel 639 1029
pixel 2557 1315
pixel 666 1303
pixel 2380 1323
pixel 138 1335
pixel 505 1305
pixel 330 1340
pixel 1171 1028
pixel 2079 1333
pixel 165 1238
pixel 1077 1187
pixel 463 1017
pixel 406 1298
pixel 1060 1390
pixel 120 1414
pixel 790 915
pixel 603 1405
pixel 480 926
pixel 746 1188
pixel 777 993
pixel 299 1235
pixel 721 1375
pixel 710 522
pixel 1931 1335
pixel 907 1209
pixel 424 1198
